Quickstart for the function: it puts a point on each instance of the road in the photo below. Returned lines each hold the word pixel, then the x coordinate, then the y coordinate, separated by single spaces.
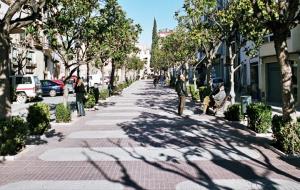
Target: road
pixel 137 141
pixel 21 109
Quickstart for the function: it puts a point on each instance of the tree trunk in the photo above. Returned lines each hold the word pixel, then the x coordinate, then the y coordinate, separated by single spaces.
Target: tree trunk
pixel 20 67
pixel 66 90
pixel 5 88
pixel 87 76
pixel 112 75
pixel 102 74
pixel 288 106
pixel 231 74
pixel 208 73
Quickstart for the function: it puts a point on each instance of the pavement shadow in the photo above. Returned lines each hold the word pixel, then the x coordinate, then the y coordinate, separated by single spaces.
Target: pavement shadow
pixel 220 139
pixel 52 133
pixel 125 179
pixel 39 140
pixel 106 104
pixel 166 132
pixel 35 140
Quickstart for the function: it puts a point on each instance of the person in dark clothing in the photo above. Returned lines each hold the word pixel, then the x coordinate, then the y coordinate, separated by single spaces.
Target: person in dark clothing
pixel 155 81
pixel 80 92
pixel 214 100
pixel 182 93
pixel 110 90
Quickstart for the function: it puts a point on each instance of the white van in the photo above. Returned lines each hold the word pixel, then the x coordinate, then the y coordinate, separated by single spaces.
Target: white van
pixel 26 87
pixel 95 80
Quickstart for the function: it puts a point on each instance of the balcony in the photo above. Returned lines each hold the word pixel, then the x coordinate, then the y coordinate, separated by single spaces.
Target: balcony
pixel 31 65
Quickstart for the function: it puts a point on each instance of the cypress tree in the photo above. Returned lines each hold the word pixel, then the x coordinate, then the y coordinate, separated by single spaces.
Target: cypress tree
pixel 154 44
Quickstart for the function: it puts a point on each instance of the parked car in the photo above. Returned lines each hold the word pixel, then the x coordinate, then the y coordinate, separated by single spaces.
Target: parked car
pixel 217 82
pixel 26 87
pixel 51 88
pixel 60 83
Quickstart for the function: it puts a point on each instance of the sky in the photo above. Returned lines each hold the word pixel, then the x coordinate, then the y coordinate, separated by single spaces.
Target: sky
pixel 144 11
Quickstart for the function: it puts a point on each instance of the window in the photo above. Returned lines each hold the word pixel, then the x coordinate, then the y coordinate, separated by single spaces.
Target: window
pixel 29 56
pixel 45 83
pixel 23 80
pixel 270 37
pixel 22 36
pixel 14 54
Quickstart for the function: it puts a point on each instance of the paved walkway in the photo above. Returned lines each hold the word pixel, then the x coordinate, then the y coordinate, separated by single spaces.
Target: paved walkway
pixel 136 141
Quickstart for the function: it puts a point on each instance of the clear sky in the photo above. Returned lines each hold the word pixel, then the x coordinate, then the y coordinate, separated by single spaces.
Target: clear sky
pixel 144 11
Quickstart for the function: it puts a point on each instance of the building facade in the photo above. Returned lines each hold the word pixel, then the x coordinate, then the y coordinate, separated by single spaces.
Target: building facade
pixel 262 75
pixel 270 75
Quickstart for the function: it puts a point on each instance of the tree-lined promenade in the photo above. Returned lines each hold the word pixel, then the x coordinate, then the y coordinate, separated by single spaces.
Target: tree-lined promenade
pixel 135 139
pixel 128 144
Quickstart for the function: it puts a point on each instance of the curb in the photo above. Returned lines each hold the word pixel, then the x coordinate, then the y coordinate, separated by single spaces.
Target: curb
pixel 263 135
pixel 279 152
pixel 14 157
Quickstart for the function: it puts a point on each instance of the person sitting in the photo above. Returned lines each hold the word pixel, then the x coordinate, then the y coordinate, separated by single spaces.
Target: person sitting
pixel 214 100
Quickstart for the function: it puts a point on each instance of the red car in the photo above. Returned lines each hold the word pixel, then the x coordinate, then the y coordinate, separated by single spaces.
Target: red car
pixel 60 83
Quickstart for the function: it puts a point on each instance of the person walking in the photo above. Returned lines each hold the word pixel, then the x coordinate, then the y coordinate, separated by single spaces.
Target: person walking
pixel 155 81
pixel 80 92
pixel 181 92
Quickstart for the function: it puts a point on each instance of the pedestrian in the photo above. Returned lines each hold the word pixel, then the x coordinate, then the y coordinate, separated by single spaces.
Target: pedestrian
pixel 80 97
pixel 214 100
pixel 155 81
pixel 182 93
pixel 161 80
pixel 110 89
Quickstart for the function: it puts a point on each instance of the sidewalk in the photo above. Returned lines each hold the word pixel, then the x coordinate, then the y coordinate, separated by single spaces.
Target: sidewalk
pixel 137 141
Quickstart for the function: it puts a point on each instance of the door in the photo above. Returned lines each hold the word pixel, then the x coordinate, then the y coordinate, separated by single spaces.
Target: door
pixel 274 91
pixel 45 87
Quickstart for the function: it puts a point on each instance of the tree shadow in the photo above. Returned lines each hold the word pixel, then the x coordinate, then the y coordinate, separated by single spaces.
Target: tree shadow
pixel 35 140
pixel 227 146
pixel 106 104
pixel 162 131
pixel 52 133
pixel 125 180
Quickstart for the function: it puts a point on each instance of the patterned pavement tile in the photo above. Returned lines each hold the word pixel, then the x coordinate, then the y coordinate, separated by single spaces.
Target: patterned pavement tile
pixel 137 141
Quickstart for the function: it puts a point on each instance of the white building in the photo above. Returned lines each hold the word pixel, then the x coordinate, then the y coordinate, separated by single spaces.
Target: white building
pixel 144 55
pixel 32 58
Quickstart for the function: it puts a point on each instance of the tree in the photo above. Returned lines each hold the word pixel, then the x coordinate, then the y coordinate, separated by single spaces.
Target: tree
pixel 66 27
pixel 121 35
pixel 19 14
pixel 235 35
pixel 154 46
pixel 279 17
pixel 178 50
pixel 203 30
pixel 135 63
